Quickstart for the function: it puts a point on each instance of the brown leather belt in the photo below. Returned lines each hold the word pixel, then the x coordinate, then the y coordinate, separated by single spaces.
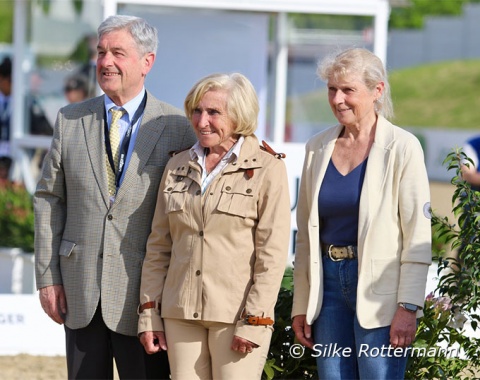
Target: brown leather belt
pixel 336 253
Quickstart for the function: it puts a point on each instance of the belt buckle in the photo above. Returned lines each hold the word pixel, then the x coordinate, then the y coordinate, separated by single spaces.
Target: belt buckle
pixel 251 320
pixel 330 254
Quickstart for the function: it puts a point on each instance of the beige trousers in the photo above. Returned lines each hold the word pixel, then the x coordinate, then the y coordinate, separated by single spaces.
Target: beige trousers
pixel 201 350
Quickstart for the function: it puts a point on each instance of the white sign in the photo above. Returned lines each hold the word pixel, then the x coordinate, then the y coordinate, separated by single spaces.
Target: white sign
pixel 26 329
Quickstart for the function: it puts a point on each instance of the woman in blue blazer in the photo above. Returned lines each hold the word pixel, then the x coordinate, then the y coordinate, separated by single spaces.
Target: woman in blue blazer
pixel 364 234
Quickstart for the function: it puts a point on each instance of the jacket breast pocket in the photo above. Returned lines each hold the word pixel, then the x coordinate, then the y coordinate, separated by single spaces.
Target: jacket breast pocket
pixel 238 200
pixel 176 194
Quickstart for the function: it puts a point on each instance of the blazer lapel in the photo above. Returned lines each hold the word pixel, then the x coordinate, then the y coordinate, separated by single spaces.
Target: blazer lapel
pixel 148 134
pixel 375 175
pixel 321 158
pixel 93 126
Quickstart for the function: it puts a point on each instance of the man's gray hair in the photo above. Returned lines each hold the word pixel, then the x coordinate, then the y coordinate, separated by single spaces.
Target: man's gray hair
pixel 144 35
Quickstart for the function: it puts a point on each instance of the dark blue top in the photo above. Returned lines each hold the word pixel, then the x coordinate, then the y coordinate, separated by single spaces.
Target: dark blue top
pixel 475 144
pixel 338 204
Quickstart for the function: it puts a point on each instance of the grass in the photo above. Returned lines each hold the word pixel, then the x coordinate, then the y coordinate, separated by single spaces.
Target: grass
pixel 443 94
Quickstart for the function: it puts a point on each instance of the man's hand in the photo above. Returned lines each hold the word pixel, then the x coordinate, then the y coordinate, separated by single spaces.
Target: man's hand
pixel 403 328
pixel 470 174
pixel 54 302
pixel 153 341
pixel 303 331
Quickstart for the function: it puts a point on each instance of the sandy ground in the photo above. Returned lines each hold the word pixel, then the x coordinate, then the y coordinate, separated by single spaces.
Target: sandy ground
pixel 26 367
pixel 23 367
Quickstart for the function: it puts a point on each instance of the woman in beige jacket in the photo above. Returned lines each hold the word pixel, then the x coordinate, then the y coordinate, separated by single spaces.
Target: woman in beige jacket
pixel 364 236
pixel 219 241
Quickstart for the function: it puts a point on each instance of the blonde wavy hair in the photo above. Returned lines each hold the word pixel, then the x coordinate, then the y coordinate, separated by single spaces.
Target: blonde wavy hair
pixel 242 101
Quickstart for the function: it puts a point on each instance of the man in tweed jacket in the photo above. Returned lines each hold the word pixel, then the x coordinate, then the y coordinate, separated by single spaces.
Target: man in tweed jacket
pixel 89 244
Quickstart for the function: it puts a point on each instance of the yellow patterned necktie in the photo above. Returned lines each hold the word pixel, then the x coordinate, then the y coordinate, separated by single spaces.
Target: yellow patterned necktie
pixel 114 136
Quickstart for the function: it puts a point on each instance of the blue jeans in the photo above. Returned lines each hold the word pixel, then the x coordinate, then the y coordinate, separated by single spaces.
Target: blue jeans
pixel 343 349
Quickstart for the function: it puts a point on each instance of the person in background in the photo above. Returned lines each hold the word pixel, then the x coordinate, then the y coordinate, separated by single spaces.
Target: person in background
pixel 471 173
pixel 76 88
pixel 94 206
pixel 36 120
pixel 5 165
pixel 5 107
pixel 364 234
pixel 219 242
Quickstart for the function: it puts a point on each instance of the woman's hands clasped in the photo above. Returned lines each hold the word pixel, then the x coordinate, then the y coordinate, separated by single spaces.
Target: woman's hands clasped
pixel 242 345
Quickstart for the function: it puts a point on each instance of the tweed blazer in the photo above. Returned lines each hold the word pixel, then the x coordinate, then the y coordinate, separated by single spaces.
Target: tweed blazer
pixel 94 250
pixel 394 229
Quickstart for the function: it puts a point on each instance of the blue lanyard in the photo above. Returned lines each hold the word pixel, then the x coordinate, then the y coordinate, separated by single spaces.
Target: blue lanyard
pixel 125 142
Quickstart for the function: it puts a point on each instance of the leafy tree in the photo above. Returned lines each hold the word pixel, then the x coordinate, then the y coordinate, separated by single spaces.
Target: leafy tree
pixel 322 21
pixel 281 361
pixel 45 5
pixel 444 348
pixel 16 217
pixel 413 15
pixel 450 350
pixel 6 21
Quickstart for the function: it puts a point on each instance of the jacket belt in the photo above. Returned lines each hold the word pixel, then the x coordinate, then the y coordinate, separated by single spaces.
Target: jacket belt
pixel 338 253
pixel 145 306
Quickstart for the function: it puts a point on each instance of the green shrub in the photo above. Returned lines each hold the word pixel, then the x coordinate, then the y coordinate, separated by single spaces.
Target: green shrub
pixel 453 306
pixel 16 217
pixel 449 350
pixel 280 363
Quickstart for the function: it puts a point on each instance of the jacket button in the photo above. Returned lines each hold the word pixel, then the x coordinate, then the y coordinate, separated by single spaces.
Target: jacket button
pixel 201 233
pixel 228 188
pixel 249 191
pixel 198 192
pixel 198 273
pixel 195 315
pixel 110 217
pixel 169 189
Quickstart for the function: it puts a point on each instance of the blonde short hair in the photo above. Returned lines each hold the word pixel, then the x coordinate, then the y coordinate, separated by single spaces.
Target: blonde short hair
pixel 242 101
pixel 367 65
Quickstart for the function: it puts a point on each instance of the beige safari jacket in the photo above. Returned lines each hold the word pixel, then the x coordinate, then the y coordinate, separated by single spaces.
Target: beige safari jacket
pixel 211 256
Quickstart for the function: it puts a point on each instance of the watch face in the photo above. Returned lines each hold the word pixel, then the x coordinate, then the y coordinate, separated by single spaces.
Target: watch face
pixel 411 307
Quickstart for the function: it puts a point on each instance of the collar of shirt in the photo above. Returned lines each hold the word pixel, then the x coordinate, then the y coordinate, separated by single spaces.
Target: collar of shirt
pixel 131 107
pixel 197 152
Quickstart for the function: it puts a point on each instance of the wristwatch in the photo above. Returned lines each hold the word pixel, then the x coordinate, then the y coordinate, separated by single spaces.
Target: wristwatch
pixel 409 307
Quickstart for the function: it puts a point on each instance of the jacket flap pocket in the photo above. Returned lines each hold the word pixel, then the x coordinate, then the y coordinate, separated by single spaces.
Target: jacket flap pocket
pixel 66 248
